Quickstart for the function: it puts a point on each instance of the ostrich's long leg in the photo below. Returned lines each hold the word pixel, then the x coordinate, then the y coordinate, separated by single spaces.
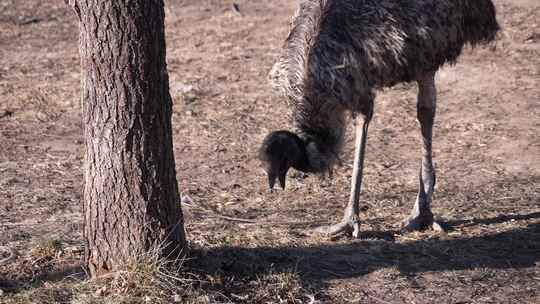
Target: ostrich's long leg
pixel 350 218
pixel 421 216
pixel 351 213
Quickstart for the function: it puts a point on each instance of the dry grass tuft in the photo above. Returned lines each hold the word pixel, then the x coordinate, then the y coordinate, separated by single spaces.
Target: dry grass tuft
pixel 148 278
pixel 285 287
pixel 47 249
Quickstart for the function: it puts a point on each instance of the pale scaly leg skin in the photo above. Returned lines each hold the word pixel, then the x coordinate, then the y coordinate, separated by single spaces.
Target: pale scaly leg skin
pixel 421 216
pixel 351 222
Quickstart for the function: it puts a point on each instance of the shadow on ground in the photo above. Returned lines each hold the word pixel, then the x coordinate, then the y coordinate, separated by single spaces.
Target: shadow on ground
pixel 72 272
pixel 317 265
pixel 511 249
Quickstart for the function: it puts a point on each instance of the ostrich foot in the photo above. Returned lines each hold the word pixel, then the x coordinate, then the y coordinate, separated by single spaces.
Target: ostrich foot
pixel 350 225
pixel 420 222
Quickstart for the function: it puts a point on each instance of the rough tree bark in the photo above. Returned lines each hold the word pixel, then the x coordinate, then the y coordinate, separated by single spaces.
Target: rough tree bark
pixel 131 200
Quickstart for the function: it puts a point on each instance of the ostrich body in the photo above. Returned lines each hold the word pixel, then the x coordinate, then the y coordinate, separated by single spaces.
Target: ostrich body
pixel 338 52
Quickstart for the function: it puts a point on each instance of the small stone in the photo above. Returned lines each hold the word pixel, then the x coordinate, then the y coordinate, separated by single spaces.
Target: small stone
pixel 186 199
pixel 73 249
pixel 183 88
pixel 101 292
pixel 236 8
pixel 41 116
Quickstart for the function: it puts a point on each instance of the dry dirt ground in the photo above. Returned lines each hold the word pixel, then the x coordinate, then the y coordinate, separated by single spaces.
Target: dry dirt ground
pixel 487 152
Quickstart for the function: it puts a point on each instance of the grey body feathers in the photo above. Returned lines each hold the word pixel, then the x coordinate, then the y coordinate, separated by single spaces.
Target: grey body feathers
pixel 339 51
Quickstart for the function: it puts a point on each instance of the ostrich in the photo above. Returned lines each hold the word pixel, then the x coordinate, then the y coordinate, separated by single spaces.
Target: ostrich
pixel 337 53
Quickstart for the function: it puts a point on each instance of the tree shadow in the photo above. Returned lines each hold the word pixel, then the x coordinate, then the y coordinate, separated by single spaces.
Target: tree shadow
pixel 70 272
pixel 317 265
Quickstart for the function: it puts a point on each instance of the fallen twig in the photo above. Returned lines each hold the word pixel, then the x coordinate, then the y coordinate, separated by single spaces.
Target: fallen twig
pixel 216 214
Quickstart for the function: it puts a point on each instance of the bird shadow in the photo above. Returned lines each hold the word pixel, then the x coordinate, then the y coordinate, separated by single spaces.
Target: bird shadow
pixel 494 220
pixel 316 265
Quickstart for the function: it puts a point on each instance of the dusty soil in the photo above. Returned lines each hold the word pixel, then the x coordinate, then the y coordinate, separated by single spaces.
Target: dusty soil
pixel 487 153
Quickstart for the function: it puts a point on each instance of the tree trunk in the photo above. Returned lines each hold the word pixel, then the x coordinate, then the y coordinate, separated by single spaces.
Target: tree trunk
pixel 131 200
